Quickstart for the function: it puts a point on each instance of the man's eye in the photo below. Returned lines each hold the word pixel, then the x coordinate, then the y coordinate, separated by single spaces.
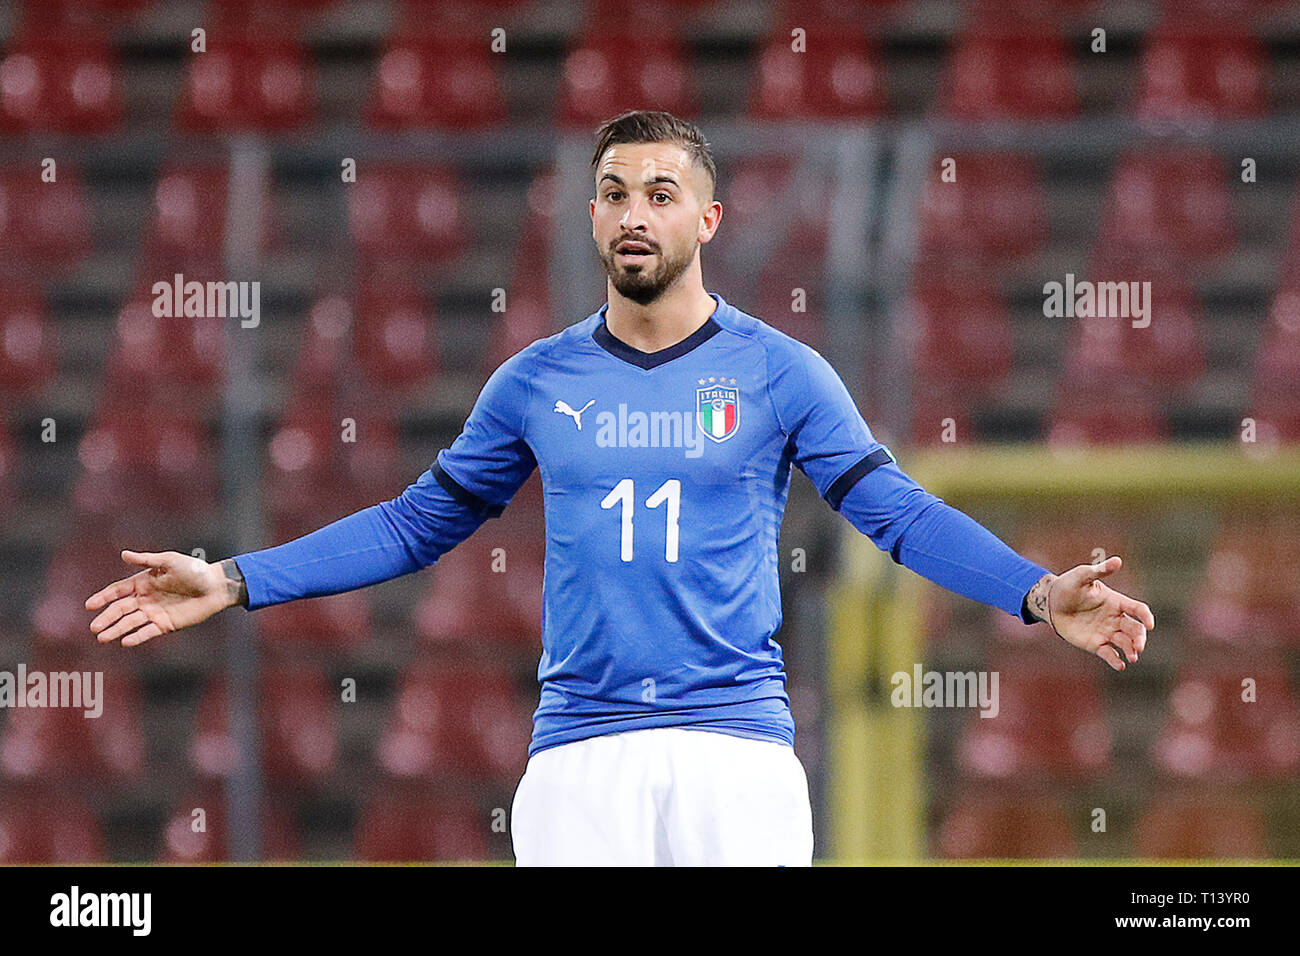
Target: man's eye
pixel 657 195
pixel 613 195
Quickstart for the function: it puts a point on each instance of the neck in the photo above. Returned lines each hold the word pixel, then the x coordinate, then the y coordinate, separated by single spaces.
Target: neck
pixel 667 320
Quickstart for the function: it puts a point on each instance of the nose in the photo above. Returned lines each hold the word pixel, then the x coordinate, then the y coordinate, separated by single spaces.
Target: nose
pixel 633 217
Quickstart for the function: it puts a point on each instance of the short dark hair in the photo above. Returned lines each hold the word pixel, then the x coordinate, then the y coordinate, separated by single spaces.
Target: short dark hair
pixel 656 126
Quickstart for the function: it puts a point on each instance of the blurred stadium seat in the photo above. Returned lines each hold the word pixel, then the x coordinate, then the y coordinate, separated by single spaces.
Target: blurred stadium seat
pixel 397 825
pixel 997 73
pixel 1050 724
pixel 46 826
pixel 831 74
pixel 1201 825
pixel 986 207
pixel 44 225
pixel 1201 72
pixel 991 825
pixel 191 836
pixel 611 69
pixel 1229 722
pixel 49 742
pixel 60 83
pixel 457 721
pixel 297 727
pixel 27 341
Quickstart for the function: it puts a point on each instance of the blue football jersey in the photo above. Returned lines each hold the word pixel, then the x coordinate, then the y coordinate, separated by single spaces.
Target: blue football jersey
pixel 665 477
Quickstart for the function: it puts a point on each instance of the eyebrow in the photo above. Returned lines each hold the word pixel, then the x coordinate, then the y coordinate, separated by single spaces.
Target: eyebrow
pixel 661 178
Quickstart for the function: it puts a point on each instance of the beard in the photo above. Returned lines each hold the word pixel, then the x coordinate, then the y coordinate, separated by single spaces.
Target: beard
pixel 642 282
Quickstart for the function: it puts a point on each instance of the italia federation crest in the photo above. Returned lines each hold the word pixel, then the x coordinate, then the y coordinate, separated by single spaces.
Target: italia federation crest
pixel 717 411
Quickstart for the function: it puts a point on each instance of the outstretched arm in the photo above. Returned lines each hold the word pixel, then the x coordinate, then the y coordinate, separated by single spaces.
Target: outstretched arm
pixel 468 483
pixel 924 533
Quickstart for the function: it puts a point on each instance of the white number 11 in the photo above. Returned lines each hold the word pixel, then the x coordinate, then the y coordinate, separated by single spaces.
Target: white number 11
pixel 670 491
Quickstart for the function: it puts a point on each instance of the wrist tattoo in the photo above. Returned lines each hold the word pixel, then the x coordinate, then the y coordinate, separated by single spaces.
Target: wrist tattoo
pixel 235 585
pixel 1036 600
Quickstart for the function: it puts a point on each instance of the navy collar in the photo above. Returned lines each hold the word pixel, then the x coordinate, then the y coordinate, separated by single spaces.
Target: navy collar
pixel 621 350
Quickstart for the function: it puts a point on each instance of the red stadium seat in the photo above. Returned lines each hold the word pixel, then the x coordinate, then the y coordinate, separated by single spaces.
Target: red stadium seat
pixel 408 212
pixel 1167 352
pixel 458 719
pixel 831 74
pixel 611 71
pixel 940 416
pixel 1005 827
pixel 1277 361
pixel 44 743
pixel 188 225
pixel 783 242
pixel 42 826
pixel 325 355
pixel 397 826
pixel 960 334
pixel 1167 207
pixel 446 80
pixel 164 462
pixel 395 337
pixel 1119 412
pixel 1201 825
pixel 330 458
pixel 1214 733
pixel 996 74
pixel 247 81
pixel 60 83
pixel 793 278
pixel 1197 73
pixel 1275 393
pixel 192 837
pixel 43 225
pixel 27 347
pixel 297 727
pixel 1242 601
pixel 1049 724
pixel 174 361
pixel 993 211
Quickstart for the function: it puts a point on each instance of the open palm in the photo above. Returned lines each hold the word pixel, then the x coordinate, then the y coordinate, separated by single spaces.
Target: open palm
pixel 173 591
pixel 1097 618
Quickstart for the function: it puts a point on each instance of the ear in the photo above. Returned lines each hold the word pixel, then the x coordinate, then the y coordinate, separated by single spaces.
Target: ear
pixel 710 218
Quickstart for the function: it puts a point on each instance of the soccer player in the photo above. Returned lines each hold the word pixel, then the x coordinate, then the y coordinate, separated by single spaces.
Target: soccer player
pixel 665 426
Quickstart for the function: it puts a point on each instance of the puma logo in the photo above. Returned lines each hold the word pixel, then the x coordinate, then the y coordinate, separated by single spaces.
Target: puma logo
pixel 562 406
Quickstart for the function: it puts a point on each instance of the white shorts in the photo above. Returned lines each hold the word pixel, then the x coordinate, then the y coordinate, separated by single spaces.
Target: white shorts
pixel 664 796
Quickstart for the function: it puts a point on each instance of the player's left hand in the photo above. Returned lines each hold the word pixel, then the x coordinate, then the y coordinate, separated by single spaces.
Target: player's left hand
pixel 1096 618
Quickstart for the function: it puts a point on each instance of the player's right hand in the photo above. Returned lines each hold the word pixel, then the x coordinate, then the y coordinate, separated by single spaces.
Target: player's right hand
pixel 173 591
